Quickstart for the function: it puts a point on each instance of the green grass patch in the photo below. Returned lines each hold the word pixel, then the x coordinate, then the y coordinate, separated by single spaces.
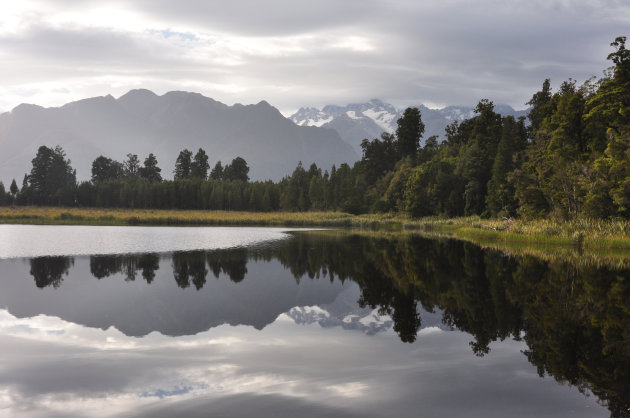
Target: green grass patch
pixel 582 233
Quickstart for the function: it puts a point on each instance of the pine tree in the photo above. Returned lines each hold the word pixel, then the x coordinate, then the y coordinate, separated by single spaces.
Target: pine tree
pixel 500 198
pixel 14 190
pixel 409 131
pixel 52 180
pixel 183 165
pixel 199 166
pixel 151 171
pixel 217 172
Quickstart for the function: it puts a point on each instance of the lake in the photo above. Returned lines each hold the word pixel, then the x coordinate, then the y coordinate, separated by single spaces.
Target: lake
pixel 150 322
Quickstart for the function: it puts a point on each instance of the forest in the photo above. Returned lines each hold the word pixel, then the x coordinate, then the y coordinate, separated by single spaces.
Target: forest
pixel 570 158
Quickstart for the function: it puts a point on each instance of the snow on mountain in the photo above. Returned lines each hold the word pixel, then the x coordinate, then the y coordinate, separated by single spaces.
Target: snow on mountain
pixel 357 121
pixel 309 116
pixel 366 320
pixel 453 113
pixel 345 313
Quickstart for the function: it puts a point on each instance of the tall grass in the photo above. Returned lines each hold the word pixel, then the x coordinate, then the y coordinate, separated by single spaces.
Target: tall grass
pixel 591 233
pixel 583 233
pixel 93 216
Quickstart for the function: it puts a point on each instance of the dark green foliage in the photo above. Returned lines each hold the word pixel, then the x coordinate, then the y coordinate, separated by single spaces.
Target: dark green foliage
pixel 500 199
pixel 151 171
pixel 540 105
pixel 409 132
pixel 183 165
pixel 217 172
pixel 131 167
pixel 379 156
pixel 199 166
pixel 52 180
pixel 14 188
pixel 104 169
pixel 5 198
pixel 237 170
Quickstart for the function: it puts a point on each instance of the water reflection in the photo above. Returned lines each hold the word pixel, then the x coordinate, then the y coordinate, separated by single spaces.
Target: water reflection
pixel 574 319
pixel 107 265
pixel 49 271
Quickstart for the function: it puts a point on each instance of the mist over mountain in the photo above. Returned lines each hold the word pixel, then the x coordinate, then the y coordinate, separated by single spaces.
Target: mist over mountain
pixel 141 122
pixel 355 122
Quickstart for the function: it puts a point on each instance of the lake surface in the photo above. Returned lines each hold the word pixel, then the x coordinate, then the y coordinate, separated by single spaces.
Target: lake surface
pixel 146 322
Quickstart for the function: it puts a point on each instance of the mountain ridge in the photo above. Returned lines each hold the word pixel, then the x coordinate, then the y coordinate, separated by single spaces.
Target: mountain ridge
pixel 142 122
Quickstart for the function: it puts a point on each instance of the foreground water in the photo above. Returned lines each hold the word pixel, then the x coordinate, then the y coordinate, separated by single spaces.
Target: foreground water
pixel 106 321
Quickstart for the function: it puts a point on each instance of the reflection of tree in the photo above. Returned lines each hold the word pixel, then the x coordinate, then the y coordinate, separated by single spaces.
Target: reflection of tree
pixel 574 319
pixel 49 271
pixel 190 266
pixel 104 265
pixel 232 262
pixel 128 264
pixel 149 263
pixel 579 331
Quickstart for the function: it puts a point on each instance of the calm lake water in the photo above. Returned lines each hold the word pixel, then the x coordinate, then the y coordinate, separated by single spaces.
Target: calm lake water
pixel 146 322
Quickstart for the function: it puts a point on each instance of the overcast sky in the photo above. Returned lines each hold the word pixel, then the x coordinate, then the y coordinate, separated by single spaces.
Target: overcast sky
pixel 295 53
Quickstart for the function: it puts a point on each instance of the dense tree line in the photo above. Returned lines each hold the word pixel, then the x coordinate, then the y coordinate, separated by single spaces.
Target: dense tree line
pixel 571 158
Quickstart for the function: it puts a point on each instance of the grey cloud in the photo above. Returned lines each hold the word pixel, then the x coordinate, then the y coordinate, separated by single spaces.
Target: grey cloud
pixel 450 52
pixel 86 47
pixel 269 18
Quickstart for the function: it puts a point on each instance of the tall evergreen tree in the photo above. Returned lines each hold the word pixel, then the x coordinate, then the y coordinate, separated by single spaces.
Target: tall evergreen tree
pixel 183 165
pixel 409 131
pixel 151 171
pixel 199 167
pixel 237 170
pixel 540 105
pixel 217 172
pixel 13 189
pixel 500 198
pixel 52 180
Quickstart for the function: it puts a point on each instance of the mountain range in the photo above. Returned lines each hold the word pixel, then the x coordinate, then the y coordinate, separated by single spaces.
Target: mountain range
pixel 141 122
pixel 355 122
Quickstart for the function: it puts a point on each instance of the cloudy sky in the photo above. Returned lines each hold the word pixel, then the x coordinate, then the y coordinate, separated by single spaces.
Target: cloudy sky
pixel 298 53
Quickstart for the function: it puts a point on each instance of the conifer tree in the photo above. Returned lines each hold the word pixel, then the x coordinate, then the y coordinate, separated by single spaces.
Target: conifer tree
pixel 151 171
pixel 199 166
pixel 183 165
pixel 409 131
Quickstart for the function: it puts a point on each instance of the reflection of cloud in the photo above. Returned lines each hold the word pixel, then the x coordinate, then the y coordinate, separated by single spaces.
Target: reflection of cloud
pixel 52 367
pixel 430 330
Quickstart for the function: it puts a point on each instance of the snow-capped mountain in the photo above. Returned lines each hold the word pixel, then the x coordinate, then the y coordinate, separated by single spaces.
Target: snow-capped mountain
pixel 310 116
pixel 345 313
pixel 366 320
pixel 357 121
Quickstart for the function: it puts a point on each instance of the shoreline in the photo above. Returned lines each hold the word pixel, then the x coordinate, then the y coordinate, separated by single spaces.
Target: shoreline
pixel 578 233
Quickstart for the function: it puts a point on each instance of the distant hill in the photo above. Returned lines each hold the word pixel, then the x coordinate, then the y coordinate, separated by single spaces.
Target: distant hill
pixel 368 120
pixel 141 122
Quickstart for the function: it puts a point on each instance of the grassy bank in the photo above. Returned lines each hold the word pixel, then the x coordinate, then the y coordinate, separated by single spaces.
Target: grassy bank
pixel 615 258
pixel 95 216
pixel 582 233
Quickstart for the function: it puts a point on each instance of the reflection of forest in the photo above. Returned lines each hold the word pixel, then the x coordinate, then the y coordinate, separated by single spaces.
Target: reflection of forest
pixel 575 319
